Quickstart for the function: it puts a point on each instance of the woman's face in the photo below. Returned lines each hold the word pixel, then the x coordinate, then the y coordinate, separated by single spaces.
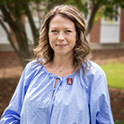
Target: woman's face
pixel 62 35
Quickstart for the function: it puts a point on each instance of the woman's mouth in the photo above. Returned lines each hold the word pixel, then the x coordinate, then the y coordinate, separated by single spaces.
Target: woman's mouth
pixel 61 45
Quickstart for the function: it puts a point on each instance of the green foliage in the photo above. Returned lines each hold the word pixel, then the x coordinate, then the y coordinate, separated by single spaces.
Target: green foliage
pixel 109 7
pixel 82 5
pixel 115 74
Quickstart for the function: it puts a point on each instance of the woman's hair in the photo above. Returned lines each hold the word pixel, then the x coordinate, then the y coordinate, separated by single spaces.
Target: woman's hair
pixel 81 49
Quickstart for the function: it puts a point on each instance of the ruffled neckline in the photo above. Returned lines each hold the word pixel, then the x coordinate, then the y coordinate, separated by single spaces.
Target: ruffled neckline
pixel 55 76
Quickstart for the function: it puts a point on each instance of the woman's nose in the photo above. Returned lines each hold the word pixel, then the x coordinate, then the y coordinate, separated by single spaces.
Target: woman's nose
pixel 61 36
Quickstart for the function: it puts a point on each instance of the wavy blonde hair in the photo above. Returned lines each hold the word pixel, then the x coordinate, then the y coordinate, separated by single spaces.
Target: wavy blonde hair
pixel 81 49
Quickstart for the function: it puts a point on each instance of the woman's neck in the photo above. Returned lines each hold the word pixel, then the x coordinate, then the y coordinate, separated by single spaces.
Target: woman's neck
pixel 63 61
pixel 61 66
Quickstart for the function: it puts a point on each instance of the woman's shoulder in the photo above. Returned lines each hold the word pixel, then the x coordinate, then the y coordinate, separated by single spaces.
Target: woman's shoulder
pixel 94 74
pixel 33 65
pixel 93 68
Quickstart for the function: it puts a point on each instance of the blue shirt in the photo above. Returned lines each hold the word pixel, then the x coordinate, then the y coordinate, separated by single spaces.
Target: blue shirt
pixel 36 101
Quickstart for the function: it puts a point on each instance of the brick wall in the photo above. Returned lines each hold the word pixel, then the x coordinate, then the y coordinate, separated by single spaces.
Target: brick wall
pixel 122 26
pixel 95 32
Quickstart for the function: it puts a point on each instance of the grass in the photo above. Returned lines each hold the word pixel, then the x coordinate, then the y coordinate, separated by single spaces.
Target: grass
pixel 119 122
pixel 115 74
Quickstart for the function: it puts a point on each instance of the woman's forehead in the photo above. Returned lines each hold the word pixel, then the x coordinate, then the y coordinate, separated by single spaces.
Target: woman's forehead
pixel 59 20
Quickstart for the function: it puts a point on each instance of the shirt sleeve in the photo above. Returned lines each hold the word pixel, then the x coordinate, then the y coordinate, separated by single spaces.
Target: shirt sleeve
pixel 100 109
pixel 11 114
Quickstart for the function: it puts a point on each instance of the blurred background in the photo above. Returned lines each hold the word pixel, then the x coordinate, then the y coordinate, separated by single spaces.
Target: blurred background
pixel 20 24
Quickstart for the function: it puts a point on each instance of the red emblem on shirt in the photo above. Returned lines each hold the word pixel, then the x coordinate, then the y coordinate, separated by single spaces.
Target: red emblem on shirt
pixel 69 81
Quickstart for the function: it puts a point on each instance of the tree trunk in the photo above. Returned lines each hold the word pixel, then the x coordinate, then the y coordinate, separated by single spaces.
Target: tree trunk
pixel 95 7
pixel 17 26
pixel 25 56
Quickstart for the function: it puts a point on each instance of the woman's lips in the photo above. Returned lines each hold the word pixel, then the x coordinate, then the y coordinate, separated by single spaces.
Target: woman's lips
pixel 61 45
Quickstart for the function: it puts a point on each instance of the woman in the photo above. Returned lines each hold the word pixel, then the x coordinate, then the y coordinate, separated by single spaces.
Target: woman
pixel 61 86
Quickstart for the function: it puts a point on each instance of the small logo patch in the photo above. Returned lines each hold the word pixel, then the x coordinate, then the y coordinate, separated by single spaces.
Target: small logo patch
pixel 69 81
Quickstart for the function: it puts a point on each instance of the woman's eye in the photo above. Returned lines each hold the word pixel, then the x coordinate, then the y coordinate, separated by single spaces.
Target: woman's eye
pixel 54 31
pixel 67 31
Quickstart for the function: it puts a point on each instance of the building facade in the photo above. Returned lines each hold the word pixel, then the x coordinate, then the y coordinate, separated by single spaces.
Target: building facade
pixel 108 32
